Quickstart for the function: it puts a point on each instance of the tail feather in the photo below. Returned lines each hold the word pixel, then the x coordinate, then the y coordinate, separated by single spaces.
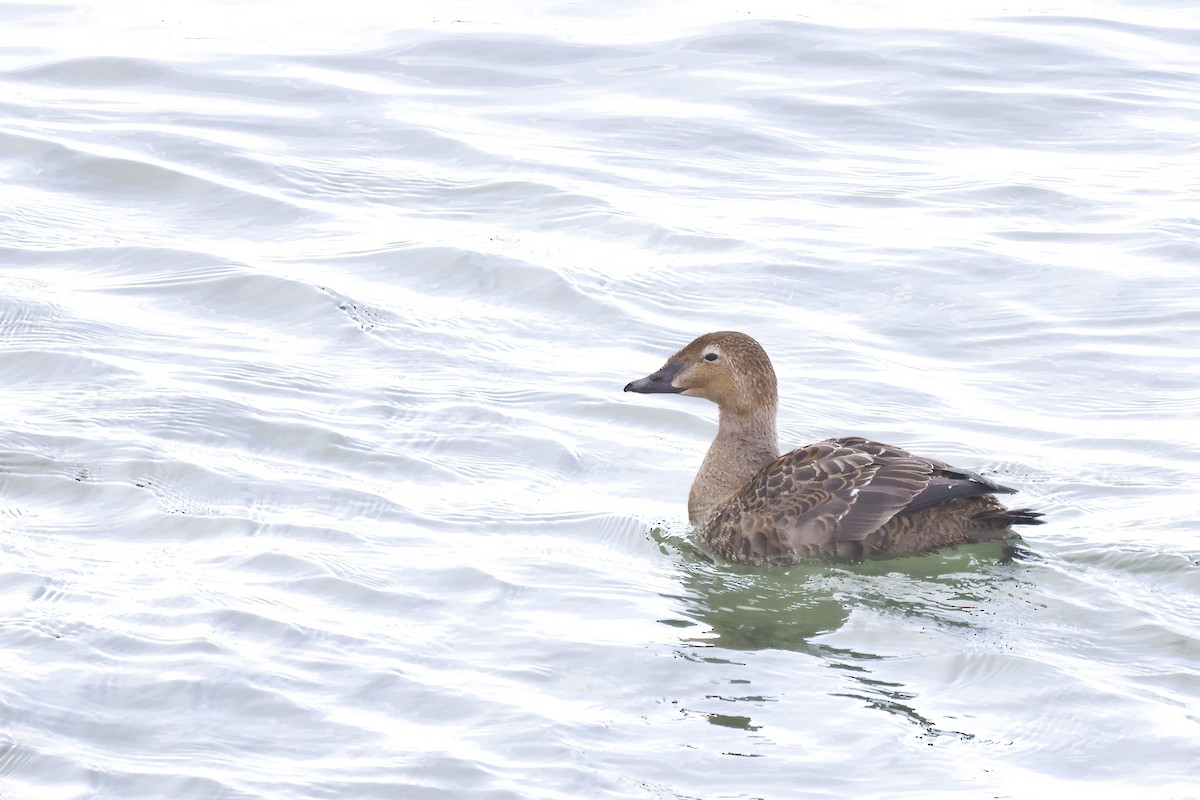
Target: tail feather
pixel 1012 516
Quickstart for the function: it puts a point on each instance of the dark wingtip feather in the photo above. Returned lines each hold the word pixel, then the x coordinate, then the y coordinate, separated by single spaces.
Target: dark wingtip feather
pixel 1013 516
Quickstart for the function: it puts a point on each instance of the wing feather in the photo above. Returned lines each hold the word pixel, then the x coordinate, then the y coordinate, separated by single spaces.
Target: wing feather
pixel 818 499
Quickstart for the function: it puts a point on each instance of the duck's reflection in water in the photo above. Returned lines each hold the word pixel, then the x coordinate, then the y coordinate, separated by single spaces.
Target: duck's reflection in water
pixel 736 609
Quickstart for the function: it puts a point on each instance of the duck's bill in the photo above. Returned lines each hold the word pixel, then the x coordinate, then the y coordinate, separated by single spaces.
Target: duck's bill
pixel 659 382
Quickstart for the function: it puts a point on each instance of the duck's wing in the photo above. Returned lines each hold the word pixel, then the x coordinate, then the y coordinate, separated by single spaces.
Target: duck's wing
pixel 810 500
pixel 945 482
pixel 814 499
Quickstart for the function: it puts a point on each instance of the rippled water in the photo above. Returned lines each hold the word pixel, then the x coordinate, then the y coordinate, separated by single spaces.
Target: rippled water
pixel 316 479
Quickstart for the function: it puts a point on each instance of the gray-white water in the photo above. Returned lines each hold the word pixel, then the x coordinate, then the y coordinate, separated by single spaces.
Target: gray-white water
pixel 316 476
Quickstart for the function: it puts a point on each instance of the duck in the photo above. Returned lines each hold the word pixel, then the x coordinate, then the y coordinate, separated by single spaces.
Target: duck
pixel 844 499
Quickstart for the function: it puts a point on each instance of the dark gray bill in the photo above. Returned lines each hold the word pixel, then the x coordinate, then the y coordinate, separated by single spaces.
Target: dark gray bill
pixel 659 382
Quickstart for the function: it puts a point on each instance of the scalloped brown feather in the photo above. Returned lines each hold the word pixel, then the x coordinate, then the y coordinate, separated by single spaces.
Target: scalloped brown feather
pixel 848 499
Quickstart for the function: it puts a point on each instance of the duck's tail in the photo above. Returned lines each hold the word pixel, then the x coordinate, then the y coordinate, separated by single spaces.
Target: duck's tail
pixel 1012 516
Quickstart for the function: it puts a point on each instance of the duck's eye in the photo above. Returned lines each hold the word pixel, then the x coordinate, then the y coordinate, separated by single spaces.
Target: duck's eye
pixel 711 357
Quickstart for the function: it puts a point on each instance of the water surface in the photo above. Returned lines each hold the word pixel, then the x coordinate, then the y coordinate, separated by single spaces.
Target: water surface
pixel 316 479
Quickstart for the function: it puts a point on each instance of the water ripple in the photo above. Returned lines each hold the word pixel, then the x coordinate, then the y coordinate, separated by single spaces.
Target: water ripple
pixel 316 455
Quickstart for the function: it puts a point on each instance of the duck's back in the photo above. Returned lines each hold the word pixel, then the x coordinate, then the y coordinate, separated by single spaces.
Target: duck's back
pixel 853 499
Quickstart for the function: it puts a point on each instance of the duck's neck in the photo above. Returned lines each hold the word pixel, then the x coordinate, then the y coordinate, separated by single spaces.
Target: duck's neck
pixel 745 443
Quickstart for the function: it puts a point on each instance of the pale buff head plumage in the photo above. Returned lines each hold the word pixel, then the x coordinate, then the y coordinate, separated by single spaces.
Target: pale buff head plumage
pixel 727 367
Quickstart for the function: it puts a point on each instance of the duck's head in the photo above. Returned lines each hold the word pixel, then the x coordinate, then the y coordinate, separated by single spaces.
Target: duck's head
pixel 726 367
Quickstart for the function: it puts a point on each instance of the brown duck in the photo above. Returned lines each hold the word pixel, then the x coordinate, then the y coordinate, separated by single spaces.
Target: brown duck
pixel 838 499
